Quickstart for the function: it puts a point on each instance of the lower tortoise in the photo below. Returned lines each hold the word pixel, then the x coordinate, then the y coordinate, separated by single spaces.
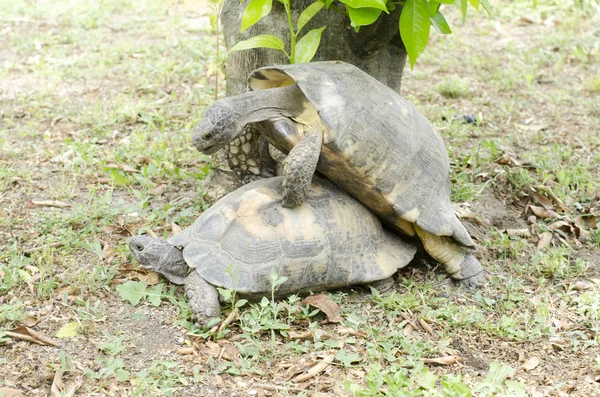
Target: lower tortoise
pixel 330 241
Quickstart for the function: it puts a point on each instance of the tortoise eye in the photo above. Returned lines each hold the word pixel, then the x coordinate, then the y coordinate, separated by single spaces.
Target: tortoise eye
pixel 208 136
pixel 138 247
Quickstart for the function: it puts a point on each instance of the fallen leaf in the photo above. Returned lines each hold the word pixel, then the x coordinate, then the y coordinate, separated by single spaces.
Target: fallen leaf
pixel 325 304
pixel 8 392
pixel 407 330
pixel 185 350
pixel 544 240
pixel 57 384
pixel 25 333
pixel 351 332
pixel 50 203
pixel 563 226
pixel 531 363
pixel 543 213
pixel 588 221
pixel 314 369
pixel 119 230
pixel 582 285
pixel 445 360
pixel 122 167
pixel 175 228
pixel 30 321
pixel 517 232
pixel 465 213
pixel 306 335
pixel 426 326
pixel 68 330
pixel 542 200
pixel 559 203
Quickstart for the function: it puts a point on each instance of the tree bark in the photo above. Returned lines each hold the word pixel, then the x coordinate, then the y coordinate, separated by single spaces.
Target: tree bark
pixel 377 49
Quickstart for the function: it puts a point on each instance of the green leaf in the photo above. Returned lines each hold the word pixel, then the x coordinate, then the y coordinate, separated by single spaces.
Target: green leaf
pixel 241 303
pixel 362 16
pixel 414 28
pixel 308 14
pixel 154 294
pixel 132 291
pixel 439 23
pixel 380 4
pixel 260 41
pixel 122 375
pixel 68 330
pixel 486 6
pixel 256 10
pixel 307 46
pixel 475 4
pixel 444 1
pixel 328 3
pixel 463 7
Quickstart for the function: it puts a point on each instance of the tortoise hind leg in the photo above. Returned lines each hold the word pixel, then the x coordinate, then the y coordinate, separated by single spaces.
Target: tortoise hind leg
pixel 299 167
pixel 203 299
pixel 459 263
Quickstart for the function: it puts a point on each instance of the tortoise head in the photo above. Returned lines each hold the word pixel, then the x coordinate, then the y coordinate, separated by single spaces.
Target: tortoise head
pixel 221 124
pixel 159 256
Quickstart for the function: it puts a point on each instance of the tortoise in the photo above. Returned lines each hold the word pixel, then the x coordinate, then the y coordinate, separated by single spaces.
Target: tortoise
pixel 330 241
pixel 360 134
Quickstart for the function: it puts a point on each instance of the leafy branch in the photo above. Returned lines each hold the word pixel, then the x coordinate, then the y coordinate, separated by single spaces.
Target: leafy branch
pixel 415 21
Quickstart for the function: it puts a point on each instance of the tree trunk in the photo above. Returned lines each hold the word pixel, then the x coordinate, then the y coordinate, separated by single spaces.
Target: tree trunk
pixel 377 49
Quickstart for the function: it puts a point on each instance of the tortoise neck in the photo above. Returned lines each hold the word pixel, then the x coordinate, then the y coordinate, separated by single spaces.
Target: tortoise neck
pixel 262 105
pixel 173 266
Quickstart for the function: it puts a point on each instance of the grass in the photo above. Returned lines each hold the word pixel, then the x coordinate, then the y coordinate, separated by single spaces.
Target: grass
pixel 96 104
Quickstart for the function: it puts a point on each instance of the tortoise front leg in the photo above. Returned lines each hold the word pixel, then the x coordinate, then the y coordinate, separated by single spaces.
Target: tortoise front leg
pixel 203 299
pixel 299 167
pixel 248 156
pixel 459 263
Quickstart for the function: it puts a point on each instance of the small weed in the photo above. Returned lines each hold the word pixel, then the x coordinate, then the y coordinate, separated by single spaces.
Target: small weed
pixel 557 263
pixel 453 87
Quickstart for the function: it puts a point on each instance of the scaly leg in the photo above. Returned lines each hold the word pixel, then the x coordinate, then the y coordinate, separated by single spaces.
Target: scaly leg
pixel 203 299
pixel 299 168
pixel 459 263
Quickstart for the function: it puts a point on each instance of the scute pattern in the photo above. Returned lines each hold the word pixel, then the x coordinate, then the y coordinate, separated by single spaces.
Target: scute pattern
pixel 330 241
pixel 360 137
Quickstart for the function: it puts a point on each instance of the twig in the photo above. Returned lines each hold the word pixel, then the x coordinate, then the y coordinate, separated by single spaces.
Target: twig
pixel 57 244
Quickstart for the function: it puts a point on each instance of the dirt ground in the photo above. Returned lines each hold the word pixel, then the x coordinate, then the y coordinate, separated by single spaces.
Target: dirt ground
pixel 97 102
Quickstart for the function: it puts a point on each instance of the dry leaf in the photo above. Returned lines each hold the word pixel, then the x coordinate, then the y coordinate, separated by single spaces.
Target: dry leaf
pixel 517 232
pixel 531 363
pixel 25 333
pixel 57 384
pixel 50 203
pixel 325 304
pixel 351 331
pixel 559 204
pixel 587 221
pixel 30 321
pixel 445 360
pixel 185 350
pixel 582 285
pixel 426 326
pixel 563 226
pixel 8 392
pixel 544 240
pixel 119 230
pixel 306 335
pixel 138 273
pixel 122 167
pixel 314 369
pixel 542 200
pixel 465 213
pixel 407 330
pixel 230 318
pixel 175 228
pixel 543 213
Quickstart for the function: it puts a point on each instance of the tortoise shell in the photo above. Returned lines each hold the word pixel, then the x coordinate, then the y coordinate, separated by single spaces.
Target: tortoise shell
pixel 377 146
pixel 330 241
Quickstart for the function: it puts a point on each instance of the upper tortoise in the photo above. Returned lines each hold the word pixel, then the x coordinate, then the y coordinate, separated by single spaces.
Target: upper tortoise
pixel 329 241
pixel 359 133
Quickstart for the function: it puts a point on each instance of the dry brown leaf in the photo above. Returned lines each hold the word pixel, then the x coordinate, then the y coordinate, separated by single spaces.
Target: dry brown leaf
pixel 314 369
pixel 325 304
pixel 542 200
pixel 57 384
pixel 50 203
pixel 8 392
pixel 582 285
pixel 230 318
pixel 30 321
pixel 185 350
pixel 122 167
pixel 531 363
pixel 138 273
pixel 465 213
pixel 351 331
pixel 407 330
pixel 544 240
pixel 517 232
pixel 175 228
pixel 426 326
pixel 588 221
pixel 305 335
pixel 543 213
pixel 559 203
pixel 25 333
pixel 445 360
pixel 563 226
pixel 119 230
pixel 104 181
